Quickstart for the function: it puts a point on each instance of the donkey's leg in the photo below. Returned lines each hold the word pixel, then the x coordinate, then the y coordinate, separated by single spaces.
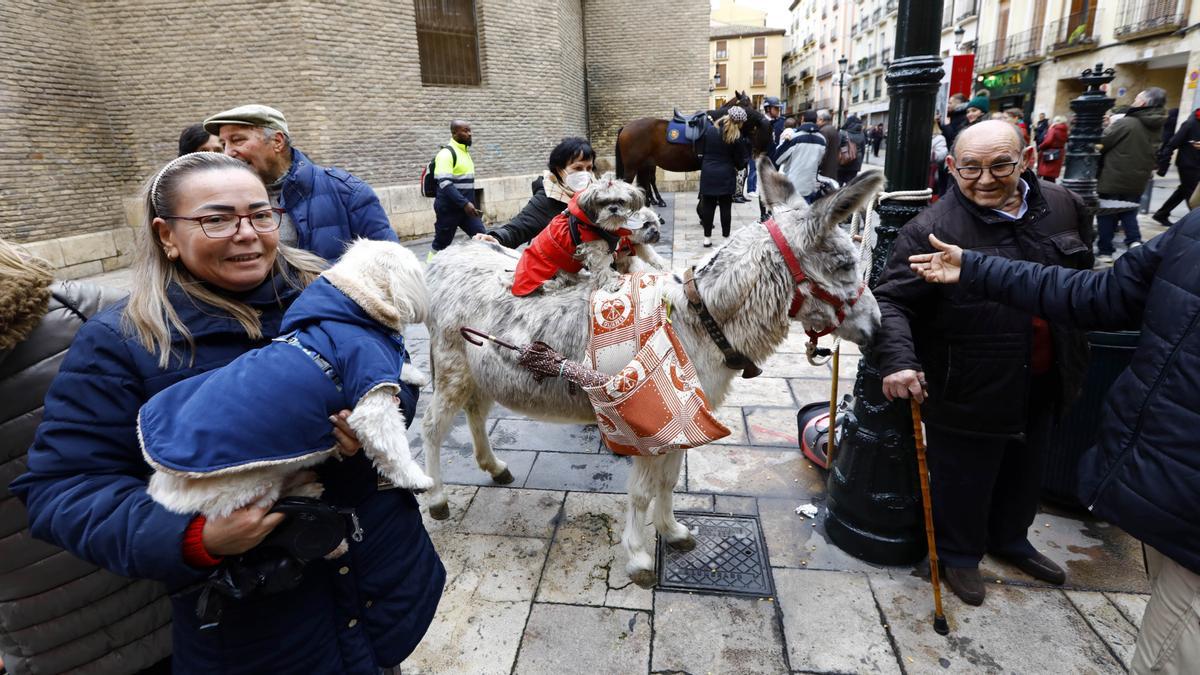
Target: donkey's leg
pixel 666 474
pixel 448 398
pixel 640 566
pixel 477 412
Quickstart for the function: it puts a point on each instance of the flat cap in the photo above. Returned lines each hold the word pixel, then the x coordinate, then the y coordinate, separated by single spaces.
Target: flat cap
pixel 253 115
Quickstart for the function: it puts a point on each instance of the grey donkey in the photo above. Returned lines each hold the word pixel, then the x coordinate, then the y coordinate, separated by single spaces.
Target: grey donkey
pixel 745 284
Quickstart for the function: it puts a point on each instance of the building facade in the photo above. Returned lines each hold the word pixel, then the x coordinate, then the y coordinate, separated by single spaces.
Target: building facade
pixel 96 94
pixel 745 55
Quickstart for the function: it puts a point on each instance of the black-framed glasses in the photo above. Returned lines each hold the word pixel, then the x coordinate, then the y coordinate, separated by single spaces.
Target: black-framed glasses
pixel 225 225
pixel 1002 170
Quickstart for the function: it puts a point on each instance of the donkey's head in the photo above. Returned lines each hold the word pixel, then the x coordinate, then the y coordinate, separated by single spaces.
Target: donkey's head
pixel 825 251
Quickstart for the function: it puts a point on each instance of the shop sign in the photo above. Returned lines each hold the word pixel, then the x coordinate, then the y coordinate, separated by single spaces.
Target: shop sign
pixel 1009 82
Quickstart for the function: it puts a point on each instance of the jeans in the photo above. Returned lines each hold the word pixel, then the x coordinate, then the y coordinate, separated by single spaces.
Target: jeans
pixel 1106 226
pixel 708 206
pixel 752 181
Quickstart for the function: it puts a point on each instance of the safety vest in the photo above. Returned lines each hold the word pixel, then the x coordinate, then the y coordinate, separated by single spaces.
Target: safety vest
pixel 457 170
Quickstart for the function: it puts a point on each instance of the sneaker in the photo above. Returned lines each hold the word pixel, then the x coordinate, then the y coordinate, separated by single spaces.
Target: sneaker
pixel 1163 218
pixel 1104 259
pixel 966 584
pixel 1134 244
pixel 751 194
pixel 1039 567
pixel 707 242
pixel 429 257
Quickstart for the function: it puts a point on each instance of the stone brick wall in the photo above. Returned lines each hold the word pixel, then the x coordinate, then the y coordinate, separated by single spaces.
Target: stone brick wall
pixel 97 91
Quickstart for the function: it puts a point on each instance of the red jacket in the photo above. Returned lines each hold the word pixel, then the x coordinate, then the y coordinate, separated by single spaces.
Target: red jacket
pixel 553 250
pixel 1055 139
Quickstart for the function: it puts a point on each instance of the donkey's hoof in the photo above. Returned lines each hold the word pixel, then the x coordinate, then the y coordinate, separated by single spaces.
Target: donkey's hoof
pixel 683 544
pixel 644 578
pixel 439 511
pixel 503 478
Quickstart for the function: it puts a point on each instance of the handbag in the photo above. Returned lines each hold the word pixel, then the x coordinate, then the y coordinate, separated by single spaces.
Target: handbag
pixel 1051 155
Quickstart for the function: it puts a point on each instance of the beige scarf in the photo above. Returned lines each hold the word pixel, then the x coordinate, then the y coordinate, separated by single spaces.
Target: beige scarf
pixel 554 189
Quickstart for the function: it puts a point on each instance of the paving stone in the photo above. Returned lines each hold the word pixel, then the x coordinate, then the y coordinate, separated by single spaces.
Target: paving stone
pixel 1017 630
pixel 1096 555
pixel 811 391
pixel 772 427
pixel 513 512
pixel 1132 606
pixel 604 472
pixel 743 506
pixel 458 437
pixel 789 364
pixel 489 587
pixel 688 501
pixel 765 391
pixel 1108 622
pixel 566 638
pixel 716 634
pixel 831 622
pixel 458 466
pixel 525 434
pixel 740 470
pixel 799 542
pixel 586 564
pixel 731 416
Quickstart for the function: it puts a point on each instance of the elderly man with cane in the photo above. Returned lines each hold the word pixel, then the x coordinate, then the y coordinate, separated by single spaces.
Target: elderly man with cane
pixel 991 377
pixel 1144 472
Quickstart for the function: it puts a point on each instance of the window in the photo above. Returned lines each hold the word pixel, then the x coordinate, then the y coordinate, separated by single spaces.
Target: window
pixel 447 41
pixel 719 102
pixel 760 73
pixel 719 81
pixel 756 101
pixel 760 46
pixel 722 51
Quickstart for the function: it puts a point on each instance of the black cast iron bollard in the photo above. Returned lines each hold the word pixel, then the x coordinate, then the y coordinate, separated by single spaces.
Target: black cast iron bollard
pixel 874 506
pixel 1083 159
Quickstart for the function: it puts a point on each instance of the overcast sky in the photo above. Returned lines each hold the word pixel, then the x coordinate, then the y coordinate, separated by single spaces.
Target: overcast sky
pixel 777 10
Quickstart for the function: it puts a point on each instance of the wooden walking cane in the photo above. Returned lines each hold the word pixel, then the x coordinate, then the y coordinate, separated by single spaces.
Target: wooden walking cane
pixel 939 617
pixel 833 391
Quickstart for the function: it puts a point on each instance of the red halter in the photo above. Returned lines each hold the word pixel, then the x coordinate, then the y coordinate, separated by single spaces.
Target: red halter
pixel 839 305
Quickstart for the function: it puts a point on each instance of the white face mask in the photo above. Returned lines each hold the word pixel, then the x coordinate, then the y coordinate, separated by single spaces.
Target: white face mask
pixel 578 181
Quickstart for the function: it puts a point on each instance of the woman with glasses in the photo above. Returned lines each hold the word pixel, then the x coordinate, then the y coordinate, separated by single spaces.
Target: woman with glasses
pixel 211 283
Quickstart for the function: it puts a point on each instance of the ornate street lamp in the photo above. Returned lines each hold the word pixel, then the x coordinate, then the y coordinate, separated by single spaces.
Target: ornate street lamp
pixel 874 503
pixel 958 38
pixel 842 90
pixel 1083 160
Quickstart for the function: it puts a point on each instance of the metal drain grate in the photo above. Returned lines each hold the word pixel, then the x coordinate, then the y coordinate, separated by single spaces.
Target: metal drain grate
pixel 729 557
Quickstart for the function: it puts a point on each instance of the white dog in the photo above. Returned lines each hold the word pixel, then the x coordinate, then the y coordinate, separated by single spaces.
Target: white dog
pixel 240 434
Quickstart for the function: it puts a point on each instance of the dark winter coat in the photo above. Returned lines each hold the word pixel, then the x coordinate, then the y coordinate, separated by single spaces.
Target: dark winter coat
pixel 976 355
pixel 532 219
pixel 331 208
pixel 86 491
pixel 853 132
pixel 1128 152
pixel 722 161
pixel 958 122
pixel 1039 131
pixel 833 141
pixel 1144 473
pixel 57 612
pixel 1187 157
pixel 1055 139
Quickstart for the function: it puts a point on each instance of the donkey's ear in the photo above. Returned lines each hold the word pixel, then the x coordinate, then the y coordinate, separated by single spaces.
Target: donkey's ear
pixel 854 196
pixel 777 190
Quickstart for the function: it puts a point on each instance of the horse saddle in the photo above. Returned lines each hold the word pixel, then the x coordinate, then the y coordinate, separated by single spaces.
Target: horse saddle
pixel 686 129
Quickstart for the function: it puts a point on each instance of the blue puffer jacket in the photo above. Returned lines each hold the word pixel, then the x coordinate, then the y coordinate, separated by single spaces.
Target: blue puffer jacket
pixel 86 491
pixel 330 208
pixel 1144 473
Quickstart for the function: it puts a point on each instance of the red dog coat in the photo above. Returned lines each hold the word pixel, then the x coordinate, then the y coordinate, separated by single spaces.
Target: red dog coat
pixel 553 249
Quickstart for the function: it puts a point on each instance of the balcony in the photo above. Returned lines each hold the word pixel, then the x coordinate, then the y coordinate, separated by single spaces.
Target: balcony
pixel 1074 33
pixel 1142 18
pixel 891 6
pixel 885 57
pixel 876 16
pixel 825 72
pixel 971 10
pixel 1016 49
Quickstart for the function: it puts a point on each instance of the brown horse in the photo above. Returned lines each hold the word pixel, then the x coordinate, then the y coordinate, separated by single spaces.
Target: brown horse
pixel 642 146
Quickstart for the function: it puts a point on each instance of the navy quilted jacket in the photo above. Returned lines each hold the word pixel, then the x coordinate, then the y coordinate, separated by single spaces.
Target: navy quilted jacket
pixel 1144 472
pixel 331 208
pixel 86 491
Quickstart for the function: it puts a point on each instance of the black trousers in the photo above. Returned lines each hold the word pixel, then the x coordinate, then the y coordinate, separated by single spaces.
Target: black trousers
pixel 708 206
pixel 985 490
pixel 1187 185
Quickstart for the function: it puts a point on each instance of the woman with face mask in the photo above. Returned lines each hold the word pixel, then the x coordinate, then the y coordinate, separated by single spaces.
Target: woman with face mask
pixel 569 171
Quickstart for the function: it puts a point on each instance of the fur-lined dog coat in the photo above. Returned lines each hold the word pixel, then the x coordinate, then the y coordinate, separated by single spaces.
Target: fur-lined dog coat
pixel 553 249
pixel 272 405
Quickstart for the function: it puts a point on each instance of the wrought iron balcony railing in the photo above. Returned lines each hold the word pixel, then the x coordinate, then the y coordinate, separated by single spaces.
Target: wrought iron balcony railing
pixel 1143 18
pixel 1074 33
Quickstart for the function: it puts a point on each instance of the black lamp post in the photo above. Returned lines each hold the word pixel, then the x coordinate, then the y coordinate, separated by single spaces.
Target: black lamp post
pixel 874 503
pixel 842 90
pixel 1083 160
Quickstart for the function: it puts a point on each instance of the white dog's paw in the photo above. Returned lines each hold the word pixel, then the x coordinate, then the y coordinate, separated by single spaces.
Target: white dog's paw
pixel 413 375
pixel 413 478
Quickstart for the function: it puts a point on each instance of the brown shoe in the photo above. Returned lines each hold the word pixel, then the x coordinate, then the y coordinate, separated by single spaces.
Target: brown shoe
pixel 966 584
pixel 1039 567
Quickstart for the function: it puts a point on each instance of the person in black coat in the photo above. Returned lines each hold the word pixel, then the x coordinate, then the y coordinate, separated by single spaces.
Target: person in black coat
pixel 725 153
pixel 1143 474
pixel 568 171
pixel 1186 144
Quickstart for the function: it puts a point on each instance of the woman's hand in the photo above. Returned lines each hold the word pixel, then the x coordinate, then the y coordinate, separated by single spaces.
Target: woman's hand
pixel 485 237
pixel 240 531
pixel 942 267
pixel 347 441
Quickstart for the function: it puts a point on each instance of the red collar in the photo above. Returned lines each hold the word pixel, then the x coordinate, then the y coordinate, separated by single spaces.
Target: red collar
pixel 816 290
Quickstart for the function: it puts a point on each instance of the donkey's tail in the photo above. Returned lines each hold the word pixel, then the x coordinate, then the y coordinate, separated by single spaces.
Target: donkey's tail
pixel 620 165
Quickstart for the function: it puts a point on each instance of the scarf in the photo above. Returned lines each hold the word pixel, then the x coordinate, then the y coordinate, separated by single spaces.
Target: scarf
pixel 555 190
pixel 23 303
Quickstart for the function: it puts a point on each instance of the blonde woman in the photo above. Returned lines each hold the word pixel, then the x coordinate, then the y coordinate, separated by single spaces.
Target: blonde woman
pixel 212 282
pixel 725 153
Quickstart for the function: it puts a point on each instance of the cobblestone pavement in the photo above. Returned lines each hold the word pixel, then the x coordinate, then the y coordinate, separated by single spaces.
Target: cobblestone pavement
pixel 536 580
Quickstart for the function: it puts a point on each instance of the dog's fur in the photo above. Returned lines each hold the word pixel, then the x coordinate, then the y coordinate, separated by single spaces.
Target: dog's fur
pixel 387 281
pixel 744 283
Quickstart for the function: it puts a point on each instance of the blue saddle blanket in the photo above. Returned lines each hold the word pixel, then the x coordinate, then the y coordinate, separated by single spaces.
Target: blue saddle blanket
pixel 677 133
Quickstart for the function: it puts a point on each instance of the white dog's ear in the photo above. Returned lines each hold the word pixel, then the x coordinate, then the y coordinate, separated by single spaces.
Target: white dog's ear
pixel 406 286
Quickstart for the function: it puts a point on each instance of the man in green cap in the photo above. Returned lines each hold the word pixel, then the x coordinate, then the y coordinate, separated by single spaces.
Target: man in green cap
pixel 326 208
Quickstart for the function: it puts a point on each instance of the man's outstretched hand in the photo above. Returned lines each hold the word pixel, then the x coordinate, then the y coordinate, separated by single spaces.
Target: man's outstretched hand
pixel 942 267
